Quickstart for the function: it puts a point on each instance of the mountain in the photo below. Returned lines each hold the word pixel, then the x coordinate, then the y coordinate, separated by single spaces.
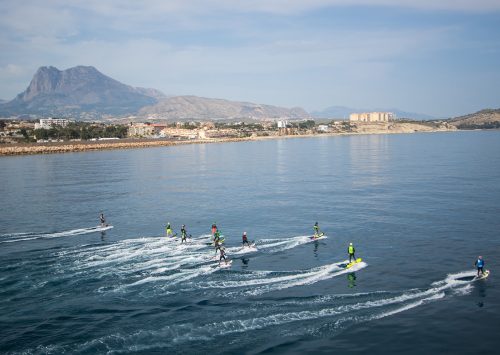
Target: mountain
pixel 157 94
pixel 344 112
pixel 85 93
pixel 488 118
pixel 78 92
pixel 201 108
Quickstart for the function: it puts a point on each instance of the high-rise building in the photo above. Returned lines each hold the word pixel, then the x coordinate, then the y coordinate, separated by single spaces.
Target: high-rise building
pixel 371 117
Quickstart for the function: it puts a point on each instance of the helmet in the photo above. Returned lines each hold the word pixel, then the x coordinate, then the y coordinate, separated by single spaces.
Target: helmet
pixel 480 257
pixel 350 243
pixel 183 225
pixel 245 233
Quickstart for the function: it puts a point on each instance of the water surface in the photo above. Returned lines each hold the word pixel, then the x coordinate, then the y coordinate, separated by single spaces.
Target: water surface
pixel 419 209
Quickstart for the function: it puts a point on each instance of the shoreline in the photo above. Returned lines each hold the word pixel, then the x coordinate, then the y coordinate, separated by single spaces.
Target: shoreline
pixel 86 146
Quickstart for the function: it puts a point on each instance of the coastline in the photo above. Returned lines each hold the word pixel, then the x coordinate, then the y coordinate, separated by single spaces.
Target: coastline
pixel 85 146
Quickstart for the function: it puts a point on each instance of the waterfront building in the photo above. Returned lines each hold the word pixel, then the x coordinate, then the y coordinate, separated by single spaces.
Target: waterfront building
pixel 282 123
pixel 48 123
pixel 323 128
pixel 145 129
pixel 371 117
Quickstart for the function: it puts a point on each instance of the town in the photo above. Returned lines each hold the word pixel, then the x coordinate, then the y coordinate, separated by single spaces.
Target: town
pixel 50 130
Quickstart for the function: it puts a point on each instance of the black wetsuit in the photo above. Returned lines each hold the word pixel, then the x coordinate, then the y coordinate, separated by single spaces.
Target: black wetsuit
pixel 245 240
pixel 222 255
pixel 217 244
pixel 183 235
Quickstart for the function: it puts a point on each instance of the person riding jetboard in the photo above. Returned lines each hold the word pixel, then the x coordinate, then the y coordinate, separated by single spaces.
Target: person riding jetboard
pixel 183 234
pixel 479 264
pixel 227 262
pixel 217 244
pixel 351 251
pixel 102 220
pixel 168 230
pixel 352 258
pixel 245 239
pixel 317 233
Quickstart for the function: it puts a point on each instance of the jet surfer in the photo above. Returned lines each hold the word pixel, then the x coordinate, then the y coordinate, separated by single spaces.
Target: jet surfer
pixel 102 219
pixel 217 235
pixel 316 230
pixel 350 251
pixel 168 229
pixel 222 255
pixel 217 242
pixel 245 239
pixel 480 265
pixel 183 234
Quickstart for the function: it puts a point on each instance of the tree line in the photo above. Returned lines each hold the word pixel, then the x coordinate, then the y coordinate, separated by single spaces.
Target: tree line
pixel 78 130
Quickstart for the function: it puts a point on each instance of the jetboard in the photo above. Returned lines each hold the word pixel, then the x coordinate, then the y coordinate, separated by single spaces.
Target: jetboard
pixel 318 237
pixel 249 246
pixel 103 228
pixel 351 264
pixel 482 276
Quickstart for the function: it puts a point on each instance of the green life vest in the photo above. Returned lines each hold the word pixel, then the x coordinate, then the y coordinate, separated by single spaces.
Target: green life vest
pixel 351 249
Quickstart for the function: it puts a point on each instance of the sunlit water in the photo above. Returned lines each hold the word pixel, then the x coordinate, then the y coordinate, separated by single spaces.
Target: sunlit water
pixel 419 209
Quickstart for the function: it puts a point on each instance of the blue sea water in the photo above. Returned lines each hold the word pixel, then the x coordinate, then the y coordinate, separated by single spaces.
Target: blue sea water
pixel 419 208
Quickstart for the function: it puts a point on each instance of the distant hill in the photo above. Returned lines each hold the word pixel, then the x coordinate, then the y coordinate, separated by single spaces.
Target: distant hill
pixel 79 92
pixel 343 112
pixel 157 94
pixel 83 92
pixel 489 118
pixel 201 108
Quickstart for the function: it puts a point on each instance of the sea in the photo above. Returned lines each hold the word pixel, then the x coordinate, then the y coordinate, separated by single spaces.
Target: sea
pixel 419 209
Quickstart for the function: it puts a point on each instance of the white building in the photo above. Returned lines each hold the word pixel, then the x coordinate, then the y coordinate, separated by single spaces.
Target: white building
pixel 48 123
pixel 323 128
pixel 371 117
pixel 282 124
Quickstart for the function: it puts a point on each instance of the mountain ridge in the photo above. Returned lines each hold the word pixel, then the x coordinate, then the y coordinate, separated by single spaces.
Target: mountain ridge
pixel 82 92
pixel 200 108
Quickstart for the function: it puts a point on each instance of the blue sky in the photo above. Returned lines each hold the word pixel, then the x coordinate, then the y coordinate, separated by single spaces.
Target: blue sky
pixel 436 57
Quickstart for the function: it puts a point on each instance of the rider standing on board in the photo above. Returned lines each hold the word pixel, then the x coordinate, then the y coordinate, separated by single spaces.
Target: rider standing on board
pixel 245 239
pixel 183 234
pixel 351 251
pixel 169 231
pixel 316 230
pixel 480 265
pixel 102 219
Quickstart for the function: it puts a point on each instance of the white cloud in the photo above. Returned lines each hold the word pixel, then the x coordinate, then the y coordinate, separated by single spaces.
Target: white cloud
pixel 169 45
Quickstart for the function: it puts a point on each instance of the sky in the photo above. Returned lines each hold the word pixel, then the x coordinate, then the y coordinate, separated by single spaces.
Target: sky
pixel 437 57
